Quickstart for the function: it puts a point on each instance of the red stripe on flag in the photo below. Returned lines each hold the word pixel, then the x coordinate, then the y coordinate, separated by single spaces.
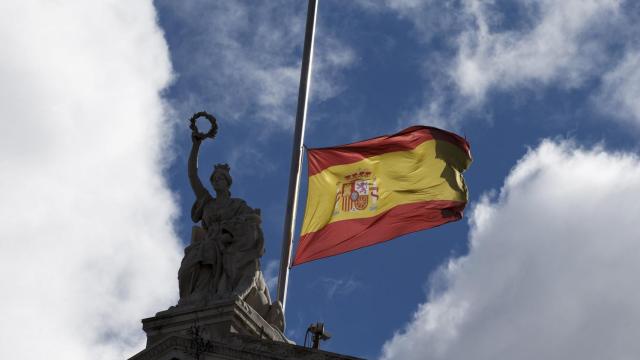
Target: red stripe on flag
pixel 348 235
pixel 407 139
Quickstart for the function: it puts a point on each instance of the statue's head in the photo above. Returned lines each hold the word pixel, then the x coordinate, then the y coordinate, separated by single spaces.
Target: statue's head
pixel 220 178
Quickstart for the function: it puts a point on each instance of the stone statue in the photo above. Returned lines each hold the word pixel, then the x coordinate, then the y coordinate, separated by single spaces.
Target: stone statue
pixel 223 259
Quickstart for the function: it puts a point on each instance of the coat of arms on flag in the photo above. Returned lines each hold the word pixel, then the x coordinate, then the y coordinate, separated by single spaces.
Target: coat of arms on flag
pixel 357 191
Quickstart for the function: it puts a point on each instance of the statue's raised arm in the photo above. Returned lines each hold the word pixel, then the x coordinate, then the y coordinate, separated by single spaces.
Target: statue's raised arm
pixel 192 167
pixel 194 180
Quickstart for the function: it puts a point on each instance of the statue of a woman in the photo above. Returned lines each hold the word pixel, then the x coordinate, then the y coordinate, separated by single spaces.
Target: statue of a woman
pixel 223 259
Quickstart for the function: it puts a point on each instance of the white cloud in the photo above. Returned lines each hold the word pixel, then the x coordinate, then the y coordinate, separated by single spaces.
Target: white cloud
pixel 487 46
pixel 620 91
pixel 242 59
pixel 563 45
pixel 552 267
pixel 86 240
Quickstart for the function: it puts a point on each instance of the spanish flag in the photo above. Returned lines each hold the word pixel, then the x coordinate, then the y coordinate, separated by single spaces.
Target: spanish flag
pixel 371 191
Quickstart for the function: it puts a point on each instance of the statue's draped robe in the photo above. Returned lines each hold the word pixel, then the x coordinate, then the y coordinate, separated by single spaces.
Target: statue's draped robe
pixel 224 254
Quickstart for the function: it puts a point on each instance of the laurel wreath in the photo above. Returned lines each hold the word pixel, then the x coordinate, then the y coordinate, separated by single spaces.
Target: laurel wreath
pixel 214 125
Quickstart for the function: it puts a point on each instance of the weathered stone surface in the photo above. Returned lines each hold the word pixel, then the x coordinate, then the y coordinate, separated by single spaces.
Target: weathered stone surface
pixel 228 329
pixel 236 347
pixel 230 316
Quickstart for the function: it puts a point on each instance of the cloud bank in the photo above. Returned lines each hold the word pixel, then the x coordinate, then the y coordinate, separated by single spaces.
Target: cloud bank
pixel 561 42
pixel 492 47
pixel 551 272
pixel 86 240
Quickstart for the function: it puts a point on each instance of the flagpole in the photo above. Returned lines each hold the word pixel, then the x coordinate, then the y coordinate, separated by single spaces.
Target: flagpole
pixel 296 154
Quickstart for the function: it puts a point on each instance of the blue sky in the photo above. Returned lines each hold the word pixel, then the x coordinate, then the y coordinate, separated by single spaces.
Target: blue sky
pixel 95 104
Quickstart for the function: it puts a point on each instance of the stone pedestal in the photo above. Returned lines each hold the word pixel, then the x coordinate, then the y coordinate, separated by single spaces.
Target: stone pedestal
pixel 228 329
pixel 216 320
pixel 233 347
